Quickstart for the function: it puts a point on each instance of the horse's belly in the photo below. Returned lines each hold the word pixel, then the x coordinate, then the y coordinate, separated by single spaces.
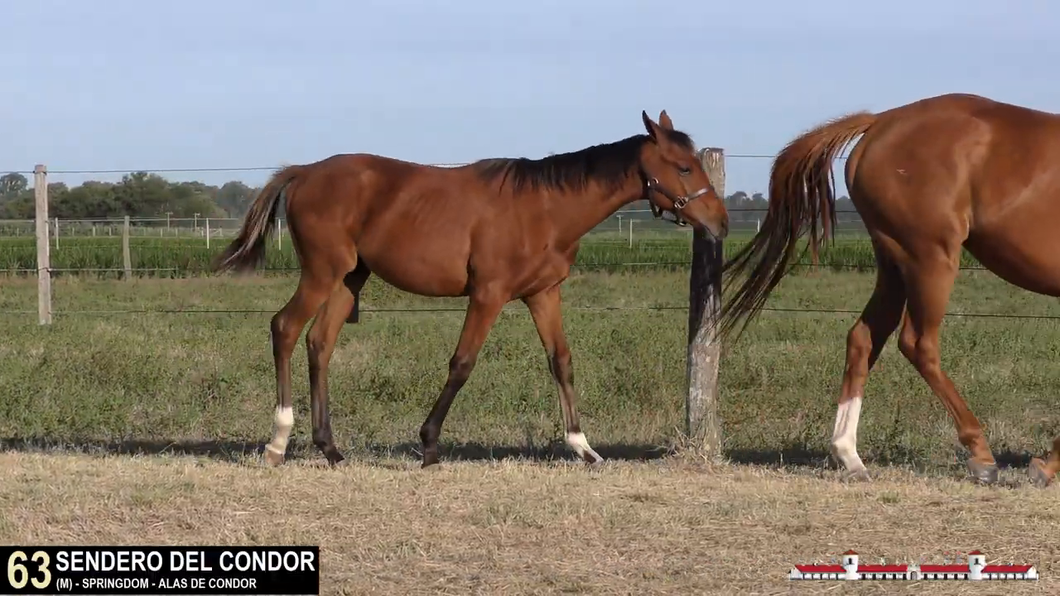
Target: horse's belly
pixel 1020 256
pixel 424 274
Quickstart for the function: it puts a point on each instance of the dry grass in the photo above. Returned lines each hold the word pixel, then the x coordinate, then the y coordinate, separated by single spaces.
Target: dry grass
pixel 671 526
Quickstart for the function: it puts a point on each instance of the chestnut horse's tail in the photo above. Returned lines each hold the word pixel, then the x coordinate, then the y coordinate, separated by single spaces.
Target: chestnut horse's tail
pixel 247 251
pixel 801 194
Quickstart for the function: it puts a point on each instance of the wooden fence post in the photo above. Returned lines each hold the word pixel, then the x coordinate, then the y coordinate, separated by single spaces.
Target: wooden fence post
pixel 704 351
pixel 126 257
pixel 44 262
pixel 355 312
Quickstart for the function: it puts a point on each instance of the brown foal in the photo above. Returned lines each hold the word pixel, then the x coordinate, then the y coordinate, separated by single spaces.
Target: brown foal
pixel 927 178
pixel 495 231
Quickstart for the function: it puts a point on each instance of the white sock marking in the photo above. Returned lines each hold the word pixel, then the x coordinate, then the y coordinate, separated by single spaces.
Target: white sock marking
pixel 284 422
pixel 845 434
pixel 581 446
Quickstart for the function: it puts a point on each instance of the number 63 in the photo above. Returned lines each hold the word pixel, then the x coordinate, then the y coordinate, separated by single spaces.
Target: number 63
pixel 18 575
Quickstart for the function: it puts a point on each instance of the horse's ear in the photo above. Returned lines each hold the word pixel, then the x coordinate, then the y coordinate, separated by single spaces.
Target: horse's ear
pixel 664 120
pixel 651 127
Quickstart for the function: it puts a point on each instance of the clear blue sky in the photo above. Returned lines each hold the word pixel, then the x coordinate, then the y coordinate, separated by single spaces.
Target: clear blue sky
pixel 134 84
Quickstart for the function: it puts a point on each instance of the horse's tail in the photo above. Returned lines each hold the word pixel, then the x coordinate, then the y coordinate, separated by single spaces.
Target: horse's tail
pixel 247 251
pixel 801 194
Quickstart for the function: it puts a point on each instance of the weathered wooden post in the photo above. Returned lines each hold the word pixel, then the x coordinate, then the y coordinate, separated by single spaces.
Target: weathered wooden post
pixel 704 351
pixel 44 262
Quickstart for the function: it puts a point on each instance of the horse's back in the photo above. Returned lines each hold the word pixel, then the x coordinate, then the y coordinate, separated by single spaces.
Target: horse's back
pixel 967 169
pixel 424 229
pixel 948 141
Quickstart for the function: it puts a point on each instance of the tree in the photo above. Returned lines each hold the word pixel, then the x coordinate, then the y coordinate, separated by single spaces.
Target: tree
pixel 12 185
pixel 143 194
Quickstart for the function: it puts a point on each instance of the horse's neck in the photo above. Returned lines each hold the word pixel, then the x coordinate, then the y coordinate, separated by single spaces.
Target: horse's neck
pixel 577 214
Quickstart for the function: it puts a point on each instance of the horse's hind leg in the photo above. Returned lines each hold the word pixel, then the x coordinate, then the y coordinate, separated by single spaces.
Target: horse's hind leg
pixel 928 286
pixel 865 342
pixel 1043 472
pixel 317 281
pixel 320 345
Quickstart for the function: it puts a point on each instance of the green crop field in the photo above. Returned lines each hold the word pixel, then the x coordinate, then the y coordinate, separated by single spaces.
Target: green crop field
pixel 163 378
pixel 183 256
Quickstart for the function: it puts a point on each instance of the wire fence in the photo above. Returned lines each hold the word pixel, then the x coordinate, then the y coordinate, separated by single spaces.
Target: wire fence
pixel 624 222
pixel 509 309
pixel 630 240
pixel 208 170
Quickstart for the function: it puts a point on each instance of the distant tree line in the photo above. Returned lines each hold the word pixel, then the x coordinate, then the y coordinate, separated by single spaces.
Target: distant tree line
pixel 140 194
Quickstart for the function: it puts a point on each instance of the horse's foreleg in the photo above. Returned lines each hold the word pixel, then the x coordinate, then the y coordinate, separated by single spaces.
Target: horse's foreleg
pixel 482 310
pixel 545 310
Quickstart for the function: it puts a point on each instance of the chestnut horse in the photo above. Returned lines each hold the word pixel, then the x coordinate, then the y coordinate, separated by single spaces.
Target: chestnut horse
pixel 927 178
pixel 495 231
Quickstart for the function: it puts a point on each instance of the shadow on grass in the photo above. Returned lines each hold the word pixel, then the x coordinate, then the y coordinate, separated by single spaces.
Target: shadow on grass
pixel 240 451
pixel 799 456
pixel 237 451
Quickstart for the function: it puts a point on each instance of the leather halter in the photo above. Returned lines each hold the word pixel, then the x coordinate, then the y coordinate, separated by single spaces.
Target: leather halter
pixel 679 201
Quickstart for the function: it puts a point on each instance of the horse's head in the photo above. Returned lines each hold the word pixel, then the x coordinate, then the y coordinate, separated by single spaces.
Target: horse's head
pixel 676 182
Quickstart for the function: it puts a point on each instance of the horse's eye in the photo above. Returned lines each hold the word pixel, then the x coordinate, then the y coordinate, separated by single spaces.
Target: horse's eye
pixel 686 171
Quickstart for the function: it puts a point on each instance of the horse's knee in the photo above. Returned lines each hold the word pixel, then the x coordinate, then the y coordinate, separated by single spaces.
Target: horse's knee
pixel 561 363
pixel 460 367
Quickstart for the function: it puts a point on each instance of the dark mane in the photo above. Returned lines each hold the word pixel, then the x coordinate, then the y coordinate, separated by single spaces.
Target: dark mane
pixel 608 164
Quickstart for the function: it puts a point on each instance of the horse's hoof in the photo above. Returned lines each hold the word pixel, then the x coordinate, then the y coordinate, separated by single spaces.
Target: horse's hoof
pixel 272 458
pixel 858 475
pixel 430 460
pixel 334 458
pixel 983 473
pixel 592 458
pixel 1039 477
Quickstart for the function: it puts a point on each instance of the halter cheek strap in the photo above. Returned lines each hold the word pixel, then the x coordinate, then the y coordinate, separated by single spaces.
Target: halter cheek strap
pixel 679 201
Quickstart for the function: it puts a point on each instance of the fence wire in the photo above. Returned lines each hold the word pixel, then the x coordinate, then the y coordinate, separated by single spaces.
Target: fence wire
pixel 434 310
pixel 201 170
pixel 192 272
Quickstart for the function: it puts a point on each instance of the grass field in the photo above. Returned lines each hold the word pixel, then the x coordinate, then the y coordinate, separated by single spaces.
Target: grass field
pixel 194 377
pixel 182 256
pixel 199 388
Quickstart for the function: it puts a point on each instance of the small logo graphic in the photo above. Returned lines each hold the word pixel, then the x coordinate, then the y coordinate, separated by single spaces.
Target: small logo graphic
pixel 974 569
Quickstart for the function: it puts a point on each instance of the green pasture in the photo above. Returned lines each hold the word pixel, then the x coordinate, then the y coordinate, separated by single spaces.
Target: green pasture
pixel 168 379
pixel 190 256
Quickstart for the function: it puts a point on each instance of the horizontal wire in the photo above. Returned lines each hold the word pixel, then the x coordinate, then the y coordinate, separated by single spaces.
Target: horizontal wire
pixel 267 168
pixel 1044 317
pixel 194 270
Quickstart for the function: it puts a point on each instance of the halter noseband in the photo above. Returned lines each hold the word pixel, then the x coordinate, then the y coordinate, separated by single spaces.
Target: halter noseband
pixel 680 202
